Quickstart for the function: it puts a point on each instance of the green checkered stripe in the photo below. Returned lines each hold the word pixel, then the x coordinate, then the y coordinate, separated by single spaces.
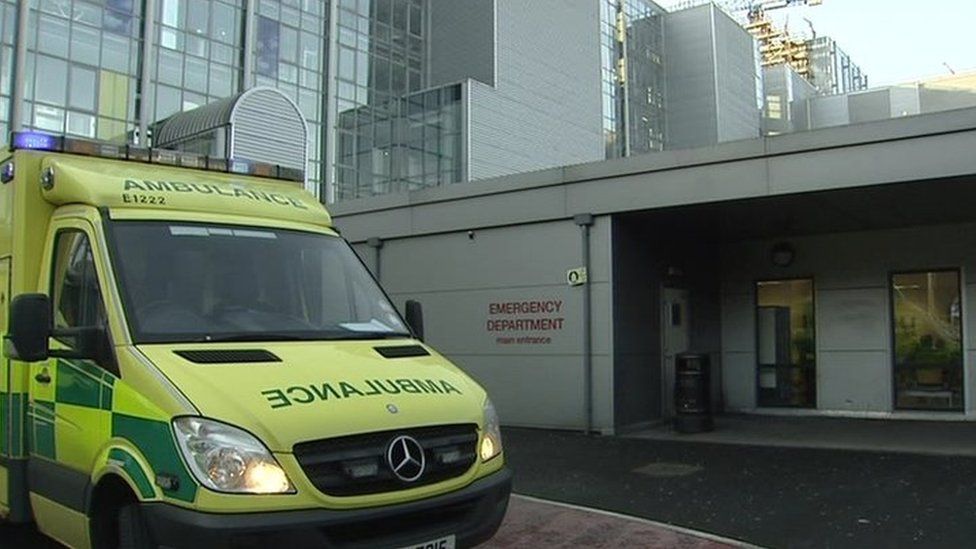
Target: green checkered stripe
pixel 12 410
pixel 82 383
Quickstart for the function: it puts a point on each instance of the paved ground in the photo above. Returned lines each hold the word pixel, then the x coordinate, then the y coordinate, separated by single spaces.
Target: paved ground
pixel 538 523
pixel 947 438
pixel 862 484
pixel 774 497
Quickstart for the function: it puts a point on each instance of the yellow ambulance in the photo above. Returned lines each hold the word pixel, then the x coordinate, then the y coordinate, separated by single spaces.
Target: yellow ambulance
pixel 193 357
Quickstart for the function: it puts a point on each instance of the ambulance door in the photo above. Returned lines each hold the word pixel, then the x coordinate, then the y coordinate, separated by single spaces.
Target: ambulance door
pixel 5 395
pixel 70 398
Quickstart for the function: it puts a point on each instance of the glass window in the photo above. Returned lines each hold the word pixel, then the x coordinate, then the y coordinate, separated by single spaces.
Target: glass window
pixel 53 35
pixel 82 89
pixel 927 327
pixel 52 80
pixel 785 338
pixel 85 44
pixel 49 118
pixel 77 299
pixel 266 56
pixel 81 124
pixel 186 285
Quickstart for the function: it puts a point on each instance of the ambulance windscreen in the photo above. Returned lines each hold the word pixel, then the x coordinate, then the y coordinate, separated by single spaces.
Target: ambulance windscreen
pixel 207 282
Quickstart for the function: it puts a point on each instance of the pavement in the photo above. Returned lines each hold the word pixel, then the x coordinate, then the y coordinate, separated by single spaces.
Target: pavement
pixel 758 491
pixel 942 438
pixel 763 481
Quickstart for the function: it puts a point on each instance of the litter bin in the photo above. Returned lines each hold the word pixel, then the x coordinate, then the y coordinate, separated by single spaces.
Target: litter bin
pixel 692 401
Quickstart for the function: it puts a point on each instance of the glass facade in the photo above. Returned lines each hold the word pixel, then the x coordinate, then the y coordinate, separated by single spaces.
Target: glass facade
pixel 8 24
pixel 786 344
pixel 927 325
pixel 405 144
pixel 380 51
pixel 82 68
pixel 289 54
pixel 198 58
pixel 632 72
pixel 84 62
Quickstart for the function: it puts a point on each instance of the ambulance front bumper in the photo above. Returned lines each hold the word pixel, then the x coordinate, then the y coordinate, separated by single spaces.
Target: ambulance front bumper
pixel 471 515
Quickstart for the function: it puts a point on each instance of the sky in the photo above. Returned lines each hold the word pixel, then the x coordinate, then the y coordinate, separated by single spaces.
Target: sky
pixel 893 41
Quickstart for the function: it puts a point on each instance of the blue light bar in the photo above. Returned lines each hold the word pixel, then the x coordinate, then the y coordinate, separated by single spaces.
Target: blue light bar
pixel 36 141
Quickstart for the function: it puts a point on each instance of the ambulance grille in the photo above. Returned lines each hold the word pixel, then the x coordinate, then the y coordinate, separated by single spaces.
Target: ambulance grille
pixel 356 465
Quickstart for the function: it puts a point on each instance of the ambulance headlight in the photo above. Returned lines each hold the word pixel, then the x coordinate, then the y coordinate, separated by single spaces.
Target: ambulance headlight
pixel 228 459
pixel 491 442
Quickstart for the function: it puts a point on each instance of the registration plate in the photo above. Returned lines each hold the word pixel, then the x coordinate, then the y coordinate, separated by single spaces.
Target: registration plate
pixel 440 543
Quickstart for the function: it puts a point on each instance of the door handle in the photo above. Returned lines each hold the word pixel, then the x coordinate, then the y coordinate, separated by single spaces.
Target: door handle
pixel 43 377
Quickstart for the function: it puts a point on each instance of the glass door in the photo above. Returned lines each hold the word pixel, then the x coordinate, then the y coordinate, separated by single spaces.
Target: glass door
pixel 927 325
pixel 786 345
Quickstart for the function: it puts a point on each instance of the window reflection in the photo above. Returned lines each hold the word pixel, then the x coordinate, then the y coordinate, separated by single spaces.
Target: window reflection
pixel 927 327
pixel 786 343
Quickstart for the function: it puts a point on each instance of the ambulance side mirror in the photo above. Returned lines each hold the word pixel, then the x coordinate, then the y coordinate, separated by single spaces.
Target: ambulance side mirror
pixel 415 318
pixel 29 328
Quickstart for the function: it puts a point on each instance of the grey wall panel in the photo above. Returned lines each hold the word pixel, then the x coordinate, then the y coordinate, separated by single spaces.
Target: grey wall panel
pixel 459 322
pixel 868 106
pixel 670 188
pixel 540 391
pixel 736 80
pixel 500 209
pixel 462 38
pixel 934 99
pixel 852 320
pixel 381 224
pixel 739 323
pixel 870 165
pixel 690 74
pixel 506 257
pixel 636 320
pixel 854 381
pixel 828 111
pixel 545 109
pixel 904 100
pixel 739 381
pixel 466 286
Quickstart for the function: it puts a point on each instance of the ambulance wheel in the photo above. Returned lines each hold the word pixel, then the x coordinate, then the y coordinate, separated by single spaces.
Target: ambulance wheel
pixel 132 531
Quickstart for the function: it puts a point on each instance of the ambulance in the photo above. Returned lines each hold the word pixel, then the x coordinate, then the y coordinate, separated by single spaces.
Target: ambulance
pixel 194 357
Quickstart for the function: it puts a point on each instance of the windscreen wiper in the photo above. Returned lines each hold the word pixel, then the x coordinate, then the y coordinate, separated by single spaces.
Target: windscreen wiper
pixel 368 335
pixel 255 336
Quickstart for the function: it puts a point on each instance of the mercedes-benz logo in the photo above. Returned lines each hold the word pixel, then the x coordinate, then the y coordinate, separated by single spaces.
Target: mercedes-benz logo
pixel 405 456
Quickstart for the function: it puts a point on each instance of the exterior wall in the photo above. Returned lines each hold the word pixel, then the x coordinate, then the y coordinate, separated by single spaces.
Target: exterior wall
pixel 711 79
pixel 545 108
pixel 782 84
pixel 643 264
pixel 462 34
pixel 851 303
pixel 689 59
pixel 458 278
pixel 869 105
pixel 736 80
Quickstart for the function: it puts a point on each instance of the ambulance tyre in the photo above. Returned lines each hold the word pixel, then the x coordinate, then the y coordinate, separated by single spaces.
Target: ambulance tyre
pixel 133 533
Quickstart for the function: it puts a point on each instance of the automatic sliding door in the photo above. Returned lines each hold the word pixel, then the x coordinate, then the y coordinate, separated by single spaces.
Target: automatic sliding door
pixel 786 350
